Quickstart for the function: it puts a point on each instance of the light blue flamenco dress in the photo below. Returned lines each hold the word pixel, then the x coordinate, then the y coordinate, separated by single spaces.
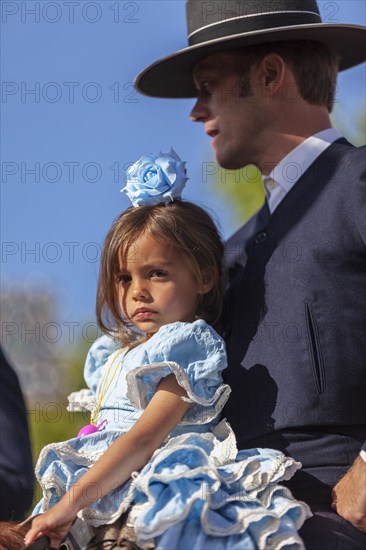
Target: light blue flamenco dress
pixel 197 492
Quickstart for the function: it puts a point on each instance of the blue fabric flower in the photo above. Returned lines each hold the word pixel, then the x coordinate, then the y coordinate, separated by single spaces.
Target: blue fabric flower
pixel 155 178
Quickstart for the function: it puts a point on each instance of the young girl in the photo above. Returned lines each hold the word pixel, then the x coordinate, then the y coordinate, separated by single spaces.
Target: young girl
pixel 155 446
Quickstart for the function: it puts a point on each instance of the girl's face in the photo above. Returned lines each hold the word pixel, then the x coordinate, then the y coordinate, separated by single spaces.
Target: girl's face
pixel 156 285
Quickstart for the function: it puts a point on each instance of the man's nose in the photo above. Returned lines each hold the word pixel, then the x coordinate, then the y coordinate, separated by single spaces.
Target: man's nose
pixel 199 112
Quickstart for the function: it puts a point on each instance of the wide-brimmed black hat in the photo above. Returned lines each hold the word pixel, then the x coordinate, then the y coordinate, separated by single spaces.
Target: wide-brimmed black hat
pixel 219 25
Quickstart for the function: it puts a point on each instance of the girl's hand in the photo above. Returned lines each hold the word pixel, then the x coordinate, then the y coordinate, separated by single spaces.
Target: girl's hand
pixel 55 523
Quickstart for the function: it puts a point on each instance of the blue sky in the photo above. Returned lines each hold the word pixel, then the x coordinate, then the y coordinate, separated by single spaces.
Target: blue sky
pixel 71 122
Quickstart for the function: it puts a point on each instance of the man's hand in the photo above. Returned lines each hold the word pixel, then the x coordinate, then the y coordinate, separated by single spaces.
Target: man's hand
pixel 349 495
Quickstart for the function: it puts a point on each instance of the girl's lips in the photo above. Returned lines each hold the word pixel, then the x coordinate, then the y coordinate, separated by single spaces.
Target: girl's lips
pixel 143 313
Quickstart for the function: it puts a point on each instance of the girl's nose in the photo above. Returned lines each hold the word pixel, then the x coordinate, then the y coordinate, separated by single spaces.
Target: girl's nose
pixel 139 291
pixel 199 112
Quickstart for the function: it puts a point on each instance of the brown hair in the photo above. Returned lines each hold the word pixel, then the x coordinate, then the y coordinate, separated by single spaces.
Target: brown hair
pixel 12 535
pixel 184 226
pixel 314 66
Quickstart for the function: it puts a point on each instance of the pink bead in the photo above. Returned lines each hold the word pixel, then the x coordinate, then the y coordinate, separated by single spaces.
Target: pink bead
pixel 90 429
pixel 87 430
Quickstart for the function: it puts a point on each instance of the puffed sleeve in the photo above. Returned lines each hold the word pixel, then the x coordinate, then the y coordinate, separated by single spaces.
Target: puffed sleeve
pixel 196 355
pixel 96 358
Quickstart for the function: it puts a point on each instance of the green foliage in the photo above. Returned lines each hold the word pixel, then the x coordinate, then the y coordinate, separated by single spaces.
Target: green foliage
pixel 55 423
pixel 353 129
pixel 51 422
pixel 242 190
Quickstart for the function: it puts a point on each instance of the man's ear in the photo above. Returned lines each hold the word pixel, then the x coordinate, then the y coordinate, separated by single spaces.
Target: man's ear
pixel 273 69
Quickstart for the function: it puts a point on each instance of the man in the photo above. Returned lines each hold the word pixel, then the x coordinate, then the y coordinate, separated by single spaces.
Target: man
pixel 16 469
pixel 264 73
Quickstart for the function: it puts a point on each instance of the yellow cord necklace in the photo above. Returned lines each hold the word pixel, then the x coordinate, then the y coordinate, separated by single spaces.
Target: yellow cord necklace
pixel 105 385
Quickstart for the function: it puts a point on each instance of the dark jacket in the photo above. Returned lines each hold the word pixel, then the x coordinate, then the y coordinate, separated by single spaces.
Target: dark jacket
pixel 295 320
pixel 16 470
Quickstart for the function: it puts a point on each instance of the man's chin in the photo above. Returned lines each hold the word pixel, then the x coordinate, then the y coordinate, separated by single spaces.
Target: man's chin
pixel 228 163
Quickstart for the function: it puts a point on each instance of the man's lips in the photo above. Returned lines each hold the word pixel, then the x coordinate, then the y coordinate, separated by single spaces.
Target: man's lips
pixel 143 313
pixel 211 132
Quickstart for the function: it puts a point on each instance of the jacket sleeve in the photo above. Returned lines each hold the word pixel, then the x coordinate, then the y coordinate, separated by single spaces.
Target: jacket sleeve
pixel 16 469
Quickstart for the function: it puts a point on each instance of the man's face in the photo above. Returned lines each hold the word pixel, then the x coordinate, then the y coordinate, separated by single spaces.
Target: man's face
pixel 232 109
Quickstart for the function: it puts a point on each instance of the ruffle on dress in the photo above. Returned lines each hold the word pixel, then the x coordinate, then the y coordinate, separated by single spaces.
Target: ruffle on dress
pixel 197 492
pixel 195 354
pixel 97 357
pixel 143 381
pixel 61 465
pixel 201 355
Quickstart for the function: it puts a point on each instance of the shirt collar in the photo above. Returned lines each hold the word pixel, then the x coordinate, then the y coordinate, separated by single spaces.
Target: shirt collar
pixel 289 170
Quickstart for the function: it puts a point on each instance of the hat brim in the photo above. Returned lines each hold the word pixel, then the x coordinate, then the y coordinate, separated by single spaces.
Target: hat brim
pixel 171 77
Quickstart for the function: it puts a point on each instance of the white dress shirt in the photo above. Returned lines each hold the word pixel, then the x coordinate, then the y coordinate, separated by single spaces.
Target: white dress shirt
pixel 289 170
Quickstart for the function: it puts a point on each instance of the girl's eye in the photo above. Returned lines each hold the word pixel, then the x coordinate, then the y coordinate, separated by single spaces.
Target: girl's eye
pixel 123 279
pixel 158 273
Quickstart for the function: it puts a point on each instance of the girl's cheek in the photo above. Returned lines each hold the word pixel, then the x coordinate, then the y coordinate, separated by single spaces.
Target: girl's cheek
pixel 123 303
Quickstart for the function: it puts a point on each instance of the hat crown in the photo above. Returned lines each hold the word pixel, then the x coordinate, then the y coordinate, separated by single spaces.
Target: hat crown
pixel 209 20
pixel 216 26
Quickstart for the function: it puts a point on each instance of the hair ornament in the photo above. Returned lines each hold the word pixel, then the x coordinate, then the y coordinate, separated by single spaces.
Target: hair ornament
pixel 155 179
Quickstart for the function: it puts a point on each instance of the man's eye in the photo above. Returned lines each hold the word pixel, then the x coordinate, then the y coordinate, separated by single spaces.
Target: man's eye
pixel 123 279
pixel 206 88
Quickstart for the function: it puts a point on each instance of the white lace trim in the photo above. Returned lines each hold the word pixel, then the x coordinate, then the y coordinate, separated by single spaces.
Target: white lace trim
pixel 253 486
pixel 82 400
pixel 281 540
pixel 224 452
pixel 86 399
pixel 269 536
pixel 96 518
pixel 283 468
pixel 209 468
pixel 225 449
pixel 246 517
pixel 50 482
pixel 65 452
pixel 267 497
pixel 137 394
